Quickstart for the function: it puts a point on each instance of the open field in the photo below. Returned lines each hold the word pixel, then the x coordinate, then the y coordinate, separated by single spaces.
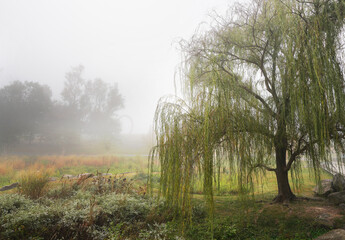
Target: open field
pixel 118 207
pixel 11 167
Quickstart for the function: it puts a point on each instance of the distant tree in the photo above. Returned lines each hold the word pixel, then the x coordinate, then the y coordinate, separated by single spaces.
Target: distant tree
pixel 101 103
pixel 23 109
pixel 74 87
pixel 264 87
pixel 93 104
pixel 62 127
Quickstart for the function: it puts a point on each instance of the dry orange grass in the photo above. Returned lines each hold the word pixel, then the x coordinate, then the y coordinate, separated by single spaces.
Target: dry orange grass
pixel 4 169
pixel 11 164
pixel 8 165
pixel 11 167
pixel 78 160
pixel 16 163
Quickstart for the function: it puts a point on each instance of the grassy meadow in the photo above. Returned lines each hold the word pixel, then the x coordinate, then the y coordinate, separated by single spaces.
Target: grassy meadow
pixel 118 206
pixel 12 167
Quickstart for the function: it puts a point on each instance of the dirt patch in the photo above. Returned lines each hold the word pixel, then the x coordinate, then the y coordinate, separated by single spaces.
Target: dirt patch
pixel 316 211
pixel 321 212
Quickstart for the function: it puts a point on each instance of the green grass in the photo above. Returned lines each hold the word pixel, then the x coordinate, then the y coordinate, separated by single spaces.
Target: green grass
pixel 262 186
pixel 235 217
pixel 254 217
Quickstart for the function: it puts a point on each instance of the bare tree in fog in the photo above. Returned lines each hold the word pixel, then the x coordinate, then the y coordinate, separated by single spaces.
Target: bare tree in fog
pixel 73 91
pixel 101 102
pixel 92 105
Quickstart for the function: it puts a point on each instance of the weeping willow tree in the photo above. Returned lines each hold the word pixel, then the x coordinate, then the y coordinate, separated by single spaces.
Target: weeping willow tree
pixel 264 86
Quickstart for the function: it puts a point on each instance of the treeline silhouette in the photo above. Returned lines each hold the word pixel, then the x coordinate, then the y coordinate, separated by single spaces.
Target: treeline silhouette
pixel 83 120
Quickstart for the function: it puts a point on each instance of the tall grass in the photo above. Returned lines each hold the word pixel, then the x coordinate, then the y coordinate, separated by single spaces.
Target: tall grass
pixel 32 183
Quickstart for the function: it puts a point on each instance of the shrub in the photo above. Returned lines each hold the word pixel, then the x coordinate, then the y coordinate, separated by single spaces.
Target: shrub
pixel 21 217
pixel 12 202
pixel 63 190
pixel 103 185
pixel 84 215
pixel 155 232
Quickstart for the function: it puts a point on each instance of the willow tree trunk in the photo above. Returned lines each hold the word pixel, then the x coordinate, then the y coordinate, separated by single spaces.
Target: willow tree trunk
pixel 280 144
pixel 284 190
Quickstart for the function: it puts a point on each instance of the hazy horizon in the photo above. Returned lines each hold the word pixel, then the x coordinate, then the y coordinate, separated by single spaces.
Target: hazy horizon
pixel 132 43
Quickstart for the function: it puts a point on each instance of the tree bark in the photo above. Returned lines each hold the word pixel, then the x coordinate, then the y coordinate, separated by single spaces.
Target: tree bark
pixel 280 144
pixel 284 190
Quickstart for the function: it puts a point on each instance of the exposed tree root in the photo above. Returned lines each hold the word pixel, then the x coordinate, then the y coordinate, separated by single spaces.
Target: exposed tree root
pixel 283 199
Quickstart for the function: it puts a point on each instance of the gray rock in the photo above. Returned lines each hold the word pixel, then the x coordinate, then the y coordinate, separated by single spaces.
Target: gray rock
pixel 85 175
pixel 107 174
pixel 324 189
pixel 324 220
pixel 338 182
pixel 53 179
pixel 342 206
pixel 68 176
pixel 336 234
pixel 9 187
pixel 337 197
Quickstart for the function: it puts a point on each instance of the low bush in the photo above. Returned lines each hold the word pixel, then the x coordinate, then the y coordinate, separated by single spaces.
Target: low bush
pixel 13 202
pixel 63 190
pixel 157 232
pixel 86 215
pixel 83 216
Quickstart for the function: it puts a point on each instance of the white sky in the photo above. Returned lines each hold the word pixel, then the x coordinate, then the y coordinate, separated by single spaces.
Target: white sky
pixel 130 42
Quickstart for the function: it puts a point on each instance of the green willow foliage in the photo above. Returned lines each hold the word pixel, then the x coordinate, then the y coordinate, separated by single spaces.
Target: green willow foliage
pixel 263 87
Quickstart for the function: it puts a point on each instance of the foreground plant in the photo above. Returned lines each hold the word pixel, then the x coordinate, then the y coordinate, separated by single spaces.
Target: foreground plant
pixel 264 86
pixel 81 216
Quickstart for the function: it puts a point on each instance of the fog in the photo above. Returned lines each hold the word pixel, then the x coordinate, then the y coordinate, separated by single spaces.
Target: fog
pixel 131 43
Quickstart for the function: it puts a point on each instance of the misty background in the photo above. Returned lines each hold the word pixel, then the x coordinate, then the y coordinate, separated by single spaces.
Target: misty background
pixel 86 76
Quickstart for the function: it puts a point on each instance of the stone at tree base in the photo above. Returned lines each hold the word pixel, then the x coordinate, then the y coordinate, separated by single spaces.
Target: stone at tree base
pixel 324 189
pixel 336 234
pixel 337 197
pixel 338 182
pixel 324 220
